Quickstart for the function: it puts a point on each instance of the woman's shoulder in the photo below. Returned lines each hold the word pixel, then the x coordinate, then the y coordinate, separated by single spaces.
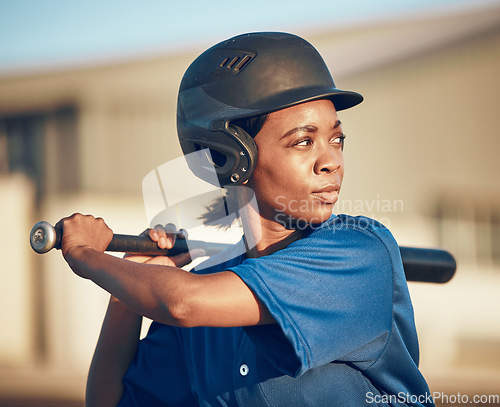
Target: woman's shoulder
pixel 351 233
pixel 359 222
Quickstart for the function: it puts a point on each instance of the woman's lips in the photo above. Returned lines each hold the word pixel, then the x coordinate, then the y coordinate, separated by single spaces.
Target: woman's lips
pixel 328 194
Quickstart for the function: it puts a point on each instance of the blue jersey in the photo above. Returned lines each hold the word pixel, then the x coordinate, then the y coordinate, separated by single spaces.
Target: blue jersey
pixel 344 332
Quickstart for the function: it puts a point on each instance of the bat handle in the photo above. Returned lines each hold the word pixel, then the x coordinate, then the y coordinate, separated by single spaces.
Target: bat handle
pixel 144 245
pixel 45 237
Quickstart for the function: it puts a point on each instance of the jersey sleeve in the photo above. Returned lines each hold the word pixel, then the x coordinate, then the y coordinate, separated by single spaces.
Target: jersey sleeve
pixel 330 294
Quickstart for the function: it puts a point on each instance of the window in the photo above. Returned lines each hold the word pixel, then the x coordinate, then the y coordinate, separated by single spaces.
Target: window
pixel 42 145
pixel 471 229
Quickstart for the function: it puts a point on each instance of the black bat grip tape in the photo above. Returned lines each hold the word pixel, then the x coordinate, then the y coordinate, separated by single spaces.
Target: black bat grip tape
pixel 144 245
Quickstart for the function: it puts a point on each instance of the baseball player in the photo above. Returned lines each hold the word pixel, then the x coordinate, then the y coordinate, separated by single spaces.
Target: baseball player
pixel 316 313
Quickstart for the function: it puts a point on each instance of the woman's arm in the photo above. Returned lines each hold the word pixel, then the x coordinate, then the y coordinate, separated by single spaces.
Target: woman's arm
pixel 169 294
pixel 114 352
pixel 118 340
pixel 163 293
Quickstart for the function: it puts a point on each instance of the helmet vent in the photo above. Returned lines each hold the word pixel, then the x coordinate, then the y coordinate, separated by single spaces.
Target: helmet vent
pixel 231 64
pixel 235 63
pixel 243 63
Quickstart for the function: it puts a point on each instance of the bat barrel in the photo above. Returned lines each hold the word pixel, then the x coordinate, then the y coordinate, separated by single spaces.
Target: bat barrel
pixel 428 265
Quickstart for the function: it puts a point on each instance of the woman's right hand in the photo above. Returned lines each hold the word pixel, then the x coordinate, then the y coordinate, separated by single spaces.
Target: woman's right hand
pixel 165 237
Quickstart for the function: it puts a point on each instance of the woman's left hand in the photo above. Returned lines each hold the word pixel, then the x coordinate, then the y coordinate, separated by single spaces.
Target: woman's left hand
pixel 84 231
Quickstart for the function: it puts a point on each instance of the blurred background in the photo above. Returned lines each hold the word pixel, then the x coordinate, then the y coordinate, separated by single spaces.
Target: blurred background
pixel 87 108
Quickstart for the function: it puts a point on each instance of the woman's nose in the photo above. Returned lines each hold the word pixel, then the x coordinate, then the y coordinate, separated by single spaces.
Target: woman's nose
pixel 329 160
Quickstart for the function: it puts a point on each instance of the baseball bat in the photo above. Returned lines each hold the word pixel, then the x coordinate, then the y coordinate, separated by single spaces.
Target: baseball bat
pixel 420 264
pixel 45 237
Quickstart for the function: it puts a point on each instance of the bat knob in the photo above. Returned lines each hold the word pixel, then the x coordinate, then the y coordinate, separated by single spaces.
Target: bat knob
pixel 43 237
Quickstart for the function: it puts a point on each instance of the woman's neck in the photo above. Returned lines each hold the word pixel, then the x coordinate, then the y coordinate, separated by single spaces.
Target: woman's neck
pixel 265 236
pixel 272 242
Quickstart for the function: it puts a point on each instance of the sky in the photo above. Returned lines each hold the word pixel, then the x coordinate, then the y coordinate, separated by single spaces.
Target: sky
pixel 42 34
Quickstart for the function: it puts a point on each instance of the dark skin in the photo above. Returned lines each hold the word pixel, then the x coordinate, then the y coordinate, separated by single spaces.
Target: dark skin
pixel 298 175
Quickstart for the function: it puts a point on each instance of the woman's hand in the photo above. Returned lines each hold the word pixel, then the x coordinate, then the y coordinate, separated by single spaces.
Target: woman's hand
pixel 84 231
pixel 165 236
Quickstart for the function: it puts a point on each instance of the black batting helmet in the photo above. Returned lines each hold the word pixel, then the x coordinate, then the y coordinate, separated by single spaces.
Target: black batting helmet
pixel 246 76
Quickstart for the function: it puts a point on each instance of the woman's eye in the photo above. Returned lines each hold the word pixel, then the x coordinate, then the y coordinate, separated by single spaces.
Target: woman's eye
pixel 339 140
pixel 305 142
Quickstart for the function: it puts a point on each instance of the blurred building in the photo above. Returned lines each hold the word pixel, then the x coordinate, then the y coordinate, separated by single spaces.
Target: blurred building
pixel 421 156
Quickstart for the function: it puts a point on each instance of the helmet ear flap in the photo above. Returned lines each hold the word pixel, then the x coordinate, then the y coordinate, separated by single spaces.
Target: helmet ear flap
pixel 229 150
pixel 245 158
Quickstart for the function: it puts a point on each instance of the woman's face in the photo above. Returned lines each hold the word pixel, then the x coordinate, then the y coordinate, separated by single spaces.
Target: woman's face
pixel 300 166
